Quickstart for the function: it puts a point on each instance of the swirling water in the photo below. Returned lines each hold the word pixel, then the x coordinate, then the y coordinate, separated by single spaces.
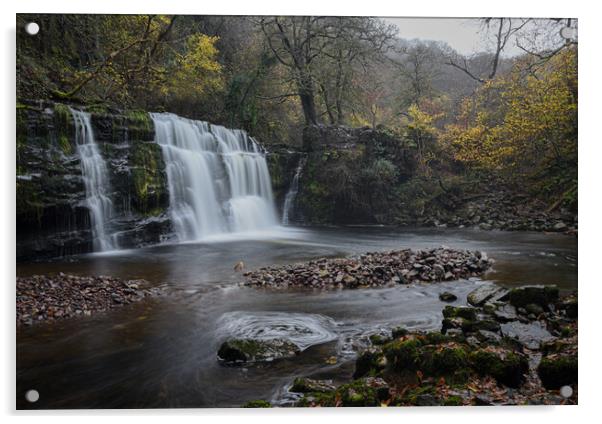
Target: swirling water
pixel 162 352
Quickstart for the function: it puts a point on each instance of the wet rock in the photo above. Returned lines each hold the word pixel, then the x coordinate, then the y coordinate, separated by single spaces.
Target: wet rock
pixel 308 385
pixel 482 294
pixel 250 350
pixel 374 269
pixel 465 312
pixel 530 335
pixel 42 298
pixel 505 313
pixel 447 297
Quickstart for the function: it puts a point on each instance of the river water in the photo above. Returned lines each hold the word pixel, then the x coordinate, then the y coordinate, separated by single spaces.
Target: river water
pixel 161 353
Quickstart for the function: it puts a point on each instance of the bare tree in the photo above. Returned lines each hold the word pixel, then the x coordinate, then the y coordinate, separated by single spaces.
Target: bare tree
pixel 503 30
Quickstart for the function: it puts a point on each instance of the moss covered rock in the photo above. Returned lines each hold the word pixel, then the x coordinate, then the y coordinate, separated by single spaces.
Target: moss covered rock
pixel 538 295
pixel 250 350
pixel 505 366
pixel 308 385
pixel 556 371
pixel 465 312
pixel 370 363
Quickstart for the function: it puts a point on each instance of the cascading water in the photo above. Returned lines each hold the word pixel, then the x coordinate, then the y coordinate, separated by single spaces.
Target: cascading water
pixel 96 181
pixel 289 199
pixel 218 178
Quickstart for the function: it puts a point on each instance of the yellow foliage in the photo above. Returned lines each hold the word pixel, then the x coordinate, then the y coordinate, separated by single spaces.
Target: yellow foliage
pixel 521 123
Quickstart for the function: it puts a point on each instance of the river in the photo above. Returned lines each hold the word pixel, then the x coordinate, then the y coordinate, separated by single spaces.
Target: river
pixel 161 353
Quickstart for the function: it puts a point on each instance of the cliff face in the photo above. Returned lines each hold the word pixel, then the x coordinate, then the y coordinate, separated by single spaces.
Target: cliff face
pixel 52 217
pixel 351 175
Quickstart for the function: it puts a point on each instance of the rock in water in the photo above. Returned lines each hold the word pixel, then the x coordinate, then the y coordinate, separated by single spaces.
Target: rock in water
pixel 447 297
pixel 308 385
pixel 250 350
pixel 239 266
pixel 482 294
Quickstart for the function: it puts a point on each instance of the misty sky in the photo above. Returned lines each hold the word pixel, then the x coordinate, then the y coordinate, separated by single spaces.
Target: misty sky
pixel 463 35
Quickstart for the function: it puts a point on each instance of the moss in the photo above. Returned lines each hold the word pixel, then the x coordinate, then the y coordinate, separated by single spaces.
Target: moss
pixel 306 385
pixel 65 145
pixel 411 396
pixel 435 337
pixel 449 361
pixel 558 371
pixel 317 399
pixel 140 124
pixel 541 296
pixel 369 363
pixel 148 178
pixel 358 393
pixel 508 368
pixel 257 404
pixel 453 401
pixel 377 339
pixel 63 120
pixel 403 354
pixel 460 312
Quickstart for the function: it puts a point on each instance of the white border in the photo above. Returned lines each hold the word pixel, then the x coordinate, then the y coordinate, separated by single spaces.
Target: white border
pixel 590 154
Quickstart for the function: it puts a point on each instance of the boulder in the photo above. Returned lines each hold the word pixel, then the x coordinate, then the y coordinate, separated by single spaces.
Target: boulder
pixel 482 294
pixel 539 295
pixel 308 385
pixel 530 335
pixel 505 366
pixel 250 350
pixel 556 371
pixel 447 297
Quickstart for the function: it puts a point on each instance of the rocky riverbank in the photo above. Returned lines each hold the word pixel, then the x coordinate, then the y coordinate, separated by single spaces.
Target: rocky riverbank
pixel 517 347
pixel 374 269
pixel 43 298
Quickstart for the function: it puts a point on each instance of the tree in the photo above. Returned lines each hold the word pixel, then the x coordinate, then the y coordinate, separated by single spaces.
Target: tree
pixel 503 29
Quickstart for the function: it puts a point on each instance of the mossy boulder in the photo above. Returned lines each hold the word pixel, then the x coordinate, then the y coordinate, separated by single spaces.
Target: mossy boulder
pixel 506 366
pixel 450 360
pixel 308 385
pixel 250 350
pixel 465 312
pixel 403 354
pixel 371 362
pixel 538 295
pixel 556 371
pixel 447 297
pixel 363 392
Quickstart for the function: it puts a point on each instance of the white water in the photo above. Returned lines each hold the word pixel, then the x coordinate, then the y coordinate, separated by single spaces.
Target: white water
pixel 289 199
pixel 96 181
pixel 218 179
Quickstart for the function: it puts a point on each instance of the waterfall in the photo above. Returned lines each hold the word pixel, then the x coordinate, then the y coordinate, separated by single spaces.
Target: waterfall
pixel 96 181
pixel 218 178
pixel 291 195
